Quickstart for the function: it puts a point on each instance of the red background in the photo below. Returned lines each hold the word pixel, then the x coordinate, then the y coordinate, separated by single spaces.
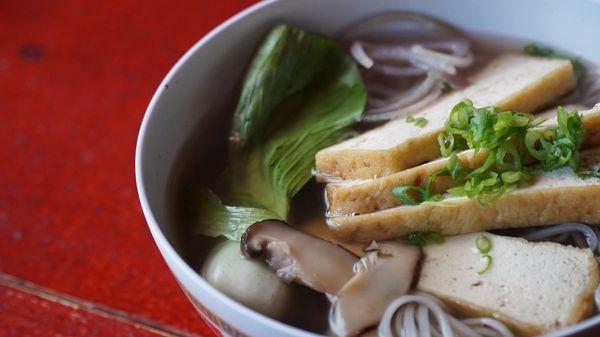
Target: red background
pixel 76 258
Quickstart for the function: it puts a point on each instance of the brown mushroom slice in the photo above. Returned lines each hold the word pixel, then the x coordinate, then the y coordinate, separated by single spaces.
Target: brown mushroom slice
pixel 300 257
pixel 383 275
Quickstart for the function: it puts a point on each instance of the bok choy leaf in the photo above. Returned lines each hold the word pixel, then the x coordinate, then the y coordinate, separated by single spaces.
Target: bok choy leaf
pixel 300 94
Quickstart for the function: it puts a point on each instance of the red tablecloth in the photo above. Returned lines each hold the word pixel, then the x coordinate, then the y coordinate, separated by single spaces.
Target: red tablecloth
pixel 76 258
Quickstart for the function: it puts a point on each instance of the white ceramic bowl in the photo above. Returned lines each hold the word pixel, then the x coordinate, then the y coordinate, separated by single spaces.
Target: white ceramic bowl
pixel 194 93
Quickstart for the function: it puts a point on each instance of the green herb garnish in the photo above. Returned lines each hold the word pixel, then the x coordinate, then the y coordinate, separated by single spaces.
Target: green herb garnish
pixel 414 195
pixel 447 88
pixel 419 121
pixel 485 127
pixel 483 244
pixel 509 140
pixel 488 264
pixel 537 50
pixel 300 94
pixel 423 238
pixel 500 133
pixel 557 146
pixel 410 195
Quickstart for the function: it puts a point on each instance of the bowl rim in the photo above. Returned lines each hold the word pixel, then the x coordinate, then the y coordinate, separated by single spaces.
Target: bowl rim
pixel 168 251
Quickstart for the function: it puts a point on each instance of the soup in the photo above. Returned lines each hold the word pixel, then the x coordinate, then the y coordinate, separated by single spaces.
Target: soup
pixel 394 236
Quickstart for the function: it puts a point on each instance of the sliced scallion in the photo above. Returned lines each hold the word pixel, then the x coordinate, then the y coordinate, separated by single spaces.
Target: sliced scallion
pixel 419 121
pixel 483 244
pixel 410 195
pixel 422 238
pixel 488 264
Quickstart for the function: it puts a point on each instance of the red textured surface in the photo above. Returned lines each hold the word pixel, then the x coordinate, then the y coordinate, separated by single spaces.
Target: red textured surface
pixel 25 314
pixel 75 79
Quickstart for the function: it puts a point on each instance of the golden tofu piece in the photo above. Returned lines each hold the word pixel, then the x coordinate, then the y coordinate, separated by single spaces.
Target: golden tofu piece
pixel 533 287
pixel 371 195
pixel 554 197
pixel 510 82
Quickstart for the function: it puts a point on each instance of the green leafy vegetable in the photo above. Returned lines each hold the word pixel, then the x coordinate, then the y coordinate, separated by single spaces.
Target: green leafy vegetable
pixel 300 94
pixel 228 221
pixel 536 50
pixel 422 238
pixel 419 121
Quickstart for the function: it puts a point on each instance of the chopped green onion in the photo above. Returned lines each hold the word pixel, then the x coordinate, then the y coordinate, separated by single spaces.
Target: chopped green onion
pixel 446 141
pixel 423 238
pixel 419 121
pixel 458 191
pixel 483 244
pixel 422 194
pixel 447 88
pixel 511 177
pixel 404 193
pixel 508 157
pixel 509 138
pixel 488 264
pixel 555 147
pixel 456 169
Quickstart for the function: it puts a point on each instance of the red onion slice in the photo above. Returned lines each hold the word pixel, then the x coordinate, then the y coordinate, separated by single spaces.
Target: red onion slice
pixel 409 110
pixel 396 50
pixel 411 95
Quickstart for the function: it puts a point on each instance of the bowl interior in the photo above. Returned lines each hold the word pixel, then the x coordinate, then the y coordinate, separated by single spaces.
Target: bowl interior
pixel 196 99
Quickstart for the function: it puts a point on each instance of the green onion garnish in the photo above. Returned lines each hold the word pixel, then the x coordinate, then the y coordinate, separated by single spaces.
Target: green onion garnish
pixel 483 244
pixel 555 147
pixel 488 264
pixel 447 88
pixel 422 238
pixel 419 121
pixel 509 140
pixel 410 195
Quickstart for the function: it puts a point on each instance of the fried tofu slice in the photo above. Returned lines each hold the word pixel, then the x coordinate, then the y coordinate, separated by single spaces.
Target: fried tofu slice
pixel 533 287
pixel 554 197
pixel 510 82
pixel 371 195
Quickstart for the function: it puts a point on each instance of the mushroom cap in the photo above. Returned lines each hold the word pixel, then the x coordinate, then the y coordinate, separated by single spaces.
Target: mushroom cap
pixel 298 256
pixel 384 274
